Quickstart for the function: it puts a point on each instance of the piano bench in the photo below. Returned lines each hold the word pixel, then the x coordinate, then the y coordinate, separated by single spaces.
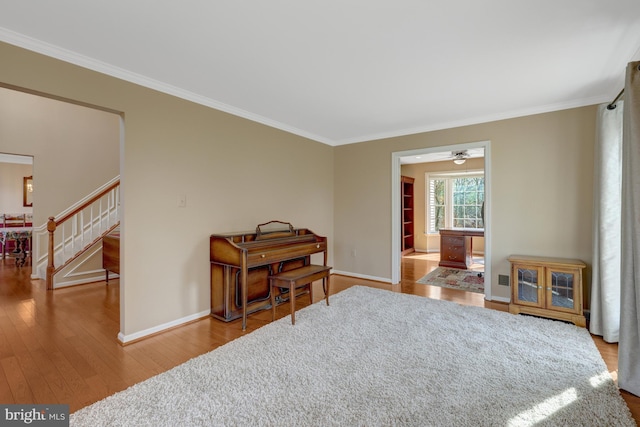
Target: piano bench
pixel 297 278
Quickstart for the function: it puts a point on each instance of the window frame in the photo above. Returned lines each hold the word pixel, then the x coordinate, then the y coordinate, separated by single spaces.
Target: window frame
pixel 448 176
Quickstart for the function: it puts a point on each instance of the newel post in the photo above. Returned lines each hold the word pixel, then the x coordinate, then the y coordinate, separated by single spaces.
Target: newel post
pixel 51 228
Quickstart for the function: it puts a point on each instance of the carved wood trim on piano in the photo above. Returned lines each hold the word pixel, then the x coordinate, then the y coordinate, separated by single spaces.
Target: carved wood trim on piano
pixel 241 263
pixel 274 229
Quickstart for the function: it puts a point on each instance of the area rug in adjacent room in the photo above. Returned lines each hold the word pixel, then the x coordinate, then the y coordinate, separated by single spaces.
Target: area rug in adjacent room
pixel 455 278
pixel 381 358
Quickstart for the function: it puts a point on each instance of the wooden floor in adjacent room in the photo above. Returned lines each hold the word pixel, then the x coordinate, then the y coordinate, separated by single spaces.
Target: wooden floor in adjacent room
pixel 61 346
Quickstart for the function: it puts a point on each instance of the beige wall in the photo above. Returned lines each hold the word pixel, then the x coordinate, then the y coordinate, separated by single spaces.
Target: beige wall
pixel 234 173
pixel 75 149
pixel 541 193
pixel 11 187
pixel 424 242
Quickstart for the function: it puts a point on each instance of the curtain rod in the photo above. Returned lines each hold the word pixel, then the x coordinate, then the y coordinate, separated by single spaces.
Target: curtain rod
pixel 612 106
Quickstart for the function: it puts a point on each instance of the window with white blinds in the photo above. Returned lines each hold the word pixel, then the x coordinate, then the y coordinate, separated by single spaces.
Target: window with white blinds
pixel 454 200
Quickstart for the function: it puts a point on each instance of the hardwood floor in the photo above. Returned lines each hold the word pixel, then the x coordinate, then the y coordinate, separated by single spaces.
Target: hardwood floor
pixel 61 346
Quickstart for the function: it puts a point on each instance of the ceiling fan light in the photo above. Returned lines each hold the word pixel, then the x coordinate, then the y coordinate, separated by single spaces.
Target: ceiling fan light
pixel 459 161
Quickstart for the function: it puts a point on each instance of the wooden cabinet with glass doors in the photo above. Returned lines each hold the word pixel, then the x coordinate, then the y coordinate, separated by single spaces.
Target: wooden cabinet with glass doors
pixel 547 287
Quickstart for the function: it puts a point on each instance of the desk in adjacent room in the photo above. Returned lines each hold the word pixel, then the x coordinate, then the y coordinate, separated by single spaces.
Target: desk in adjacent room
pixel 456 248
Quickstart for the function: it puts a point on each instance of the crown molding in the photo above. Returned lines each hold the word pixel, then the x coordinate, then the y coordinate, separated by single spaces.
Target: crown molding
pixel 53 51
pixel 478 120
pixel 48 49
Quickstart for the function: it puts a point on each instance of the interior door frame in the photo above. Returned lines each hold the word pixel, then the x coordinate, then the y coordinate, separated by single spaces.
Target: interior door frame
pixel 395 204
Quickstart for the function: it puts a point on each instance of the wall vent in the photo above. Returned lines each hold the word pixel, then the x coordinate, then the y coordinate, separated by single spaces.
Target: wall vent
pixel 503 280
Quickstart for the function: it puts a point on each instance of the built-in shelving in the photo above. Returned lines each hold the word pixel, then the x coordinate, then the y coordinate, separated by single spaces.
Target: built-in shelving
pixel 407 214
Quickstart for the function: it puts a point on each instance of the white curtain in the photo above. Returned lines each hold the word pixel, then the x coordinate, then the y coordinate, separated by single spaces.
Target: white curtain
pixel 629 342
pixel 605 282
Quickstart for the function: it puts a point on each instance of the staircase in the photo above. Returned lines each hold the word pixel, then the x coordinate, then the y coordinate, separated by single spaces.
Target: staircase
pixel 71 241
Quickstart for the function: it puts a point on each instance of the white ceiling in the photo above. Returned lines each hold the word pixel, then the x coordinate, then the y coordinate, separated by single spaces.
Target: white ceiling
pixel 16 158
pixel 344 71
pixel 470 153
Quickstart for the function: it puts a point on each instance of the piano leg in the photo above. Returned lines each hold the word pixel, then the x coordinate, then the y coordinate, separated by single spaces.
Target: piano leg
pixel 244 290
pixel 325 287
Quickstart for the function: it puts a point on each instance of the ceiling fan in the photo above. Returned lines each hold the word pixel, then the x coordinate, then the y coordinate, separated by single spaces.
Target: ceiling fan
pixel 459 157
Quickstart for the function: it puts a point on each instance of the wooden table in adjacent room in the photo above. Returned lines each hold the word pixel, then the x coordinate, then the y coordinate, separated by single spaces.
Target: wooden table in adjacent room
pixel 456 248
pixel 111 253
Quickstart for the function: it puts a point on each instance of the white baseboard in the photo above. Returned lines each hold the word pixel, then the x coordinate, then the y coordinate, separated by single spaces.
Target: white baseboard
pixel 124 339
pixel 82 281
pixel 362 276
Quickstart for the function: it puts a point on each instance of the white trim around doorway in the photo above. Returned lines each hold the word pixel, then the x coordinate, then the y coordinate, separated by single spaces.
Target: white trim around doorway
pixel 395 204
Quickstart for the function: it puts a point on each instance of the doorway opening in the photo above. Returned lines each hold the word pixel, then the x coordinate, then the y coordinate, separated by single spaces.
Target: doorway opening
pixel 16 213
pixel 440 153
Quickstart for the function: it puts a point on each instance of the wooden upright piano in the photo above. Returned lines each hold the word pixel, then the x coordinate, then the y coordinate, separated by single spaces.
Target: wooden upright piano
pixel 241 263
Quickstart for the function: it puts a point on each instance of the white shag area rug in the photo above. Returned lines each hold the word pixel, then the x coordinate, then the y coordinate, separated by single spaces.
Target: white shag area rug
pixel 381 358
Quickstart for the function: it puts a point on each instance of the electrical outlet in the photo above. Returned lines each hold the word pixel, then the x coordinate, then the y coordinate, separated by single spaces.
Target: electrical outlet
pixel 503 280
pixel 182 201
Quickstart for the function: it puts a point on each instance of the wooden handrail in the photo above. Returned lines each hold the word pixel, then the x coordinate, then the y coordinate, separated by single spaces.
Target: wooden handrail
pixel 53 223
pixel 66 216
